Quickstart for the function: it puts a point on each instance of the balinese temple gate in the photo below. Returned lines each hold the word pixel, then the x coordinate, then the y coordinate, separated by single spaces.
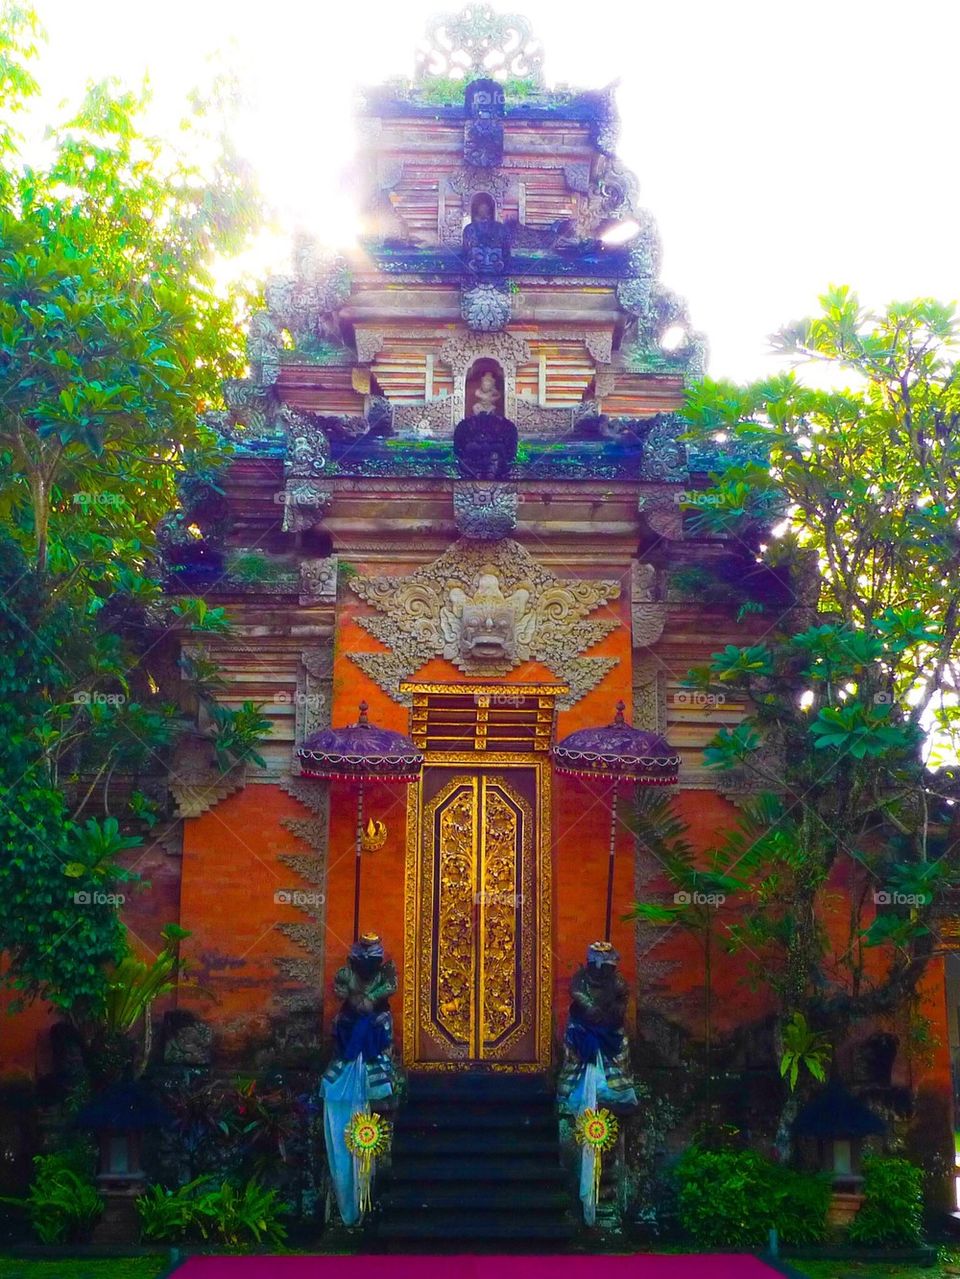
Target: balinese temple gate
pixel 457 493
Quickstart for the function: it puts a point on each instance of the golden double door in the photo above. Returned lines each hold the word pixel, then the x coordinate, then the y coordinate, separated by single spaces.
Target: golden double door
pixel 478 970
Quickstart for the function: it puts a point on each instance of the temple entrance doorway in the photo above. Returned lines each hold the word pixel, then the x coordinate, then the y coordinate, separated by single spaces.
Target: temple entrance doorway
pixel 478 972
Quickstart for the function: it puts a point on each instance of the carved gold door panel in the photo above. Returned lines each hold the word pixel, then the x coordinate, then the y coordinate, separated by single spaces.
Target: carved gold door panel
pixel 478 973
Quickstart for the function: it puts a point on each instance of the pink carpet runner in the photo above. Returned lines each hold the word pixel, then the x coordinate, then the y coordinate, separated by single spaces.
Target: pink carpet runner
pixel 393 1266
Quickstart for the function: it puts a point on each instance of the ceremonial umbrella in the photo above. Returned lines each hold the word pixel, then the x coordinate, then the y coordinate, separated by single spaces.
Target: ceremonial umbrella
pixel 354 753
pixel 622 753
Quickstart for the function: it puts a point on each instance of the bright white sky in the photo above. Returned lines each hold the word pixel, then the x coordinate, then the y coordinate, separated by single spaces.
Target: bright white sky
pixel 781 147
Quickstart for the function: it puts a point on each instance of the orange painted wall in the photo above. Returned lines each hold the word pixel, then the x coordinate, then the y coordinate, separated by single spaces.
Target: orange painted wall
pixel 231 875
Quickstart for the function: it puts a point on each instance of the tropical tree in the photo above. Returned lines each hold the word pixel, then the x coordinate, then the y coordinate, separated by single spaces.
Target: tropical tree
pixel 851 699
pixel 114 337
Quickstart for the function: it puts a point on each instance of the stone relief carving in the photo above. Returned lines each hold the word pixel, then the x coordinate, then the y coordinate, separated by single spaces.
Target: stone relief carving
pixel 483 101
pixel 469 182
pixel 314 694
pixel 485 511
pixel 486 630
pixel 657 310
pixel 604 381
pixel 485 308
pixel 369 344
pixel 195 782
pixel 311 867
pixel 318 580
pixel 577 177
pixel 664 452
pixel 432 419
pixel 460 352
pixel 485 446
pixel 608 119
pixel 304 305
pixel 647 614
pixel 599 345
pixel 548 424
pixel 649 693
pixel 306 491
pixel 477 42
pixel 533 616
pixel 662 513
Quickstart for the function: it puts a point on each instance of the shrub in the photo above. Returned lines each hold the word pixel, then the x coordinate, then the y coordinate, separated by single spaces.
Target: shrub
pixel 167 1215
pixel 733 1198
pixel 892 1211
pixel 235 1216
pixel 63 1204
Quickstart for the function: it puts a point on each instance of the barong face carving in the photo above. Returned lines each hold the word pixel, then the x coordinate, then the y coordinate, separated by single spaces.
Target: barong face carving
pixel 483 630
pixel 486 607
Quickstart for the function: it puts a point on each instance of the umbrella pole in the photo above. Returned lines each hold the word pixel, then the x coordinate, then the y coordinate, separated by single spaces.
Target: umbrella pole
pixel 356 874
pixel 613 854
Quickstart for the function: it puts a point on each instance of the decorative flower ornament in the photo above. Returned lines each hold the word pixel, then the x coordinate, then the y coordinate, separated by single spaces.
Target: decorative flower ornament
pixel 367 1136
pixel 596 1131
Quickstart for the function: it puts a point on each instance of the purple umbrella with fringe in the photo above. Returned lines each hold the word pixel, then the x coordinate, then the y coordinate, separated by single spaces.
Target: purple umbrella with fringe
pixel 622 753
pixel 356 752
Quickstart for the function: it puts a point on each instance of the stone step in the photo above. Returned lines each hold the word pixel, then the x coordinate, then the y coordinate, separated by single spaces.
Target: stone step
pixel 471 1168
pixel 478 1197
pixel 457 1226
pixel 493 1088
pixel 491 1141
pixel 443 1115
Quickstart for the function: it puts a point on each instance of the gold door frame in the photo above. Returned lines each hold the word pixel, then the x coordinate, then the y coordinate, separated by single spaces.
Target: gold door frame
pixel 543 924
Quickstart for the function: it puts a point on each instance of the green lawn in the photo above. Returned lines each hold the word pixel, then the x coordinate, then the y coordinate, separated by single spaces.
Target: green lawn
pixel 123 1268
pixel 947 1268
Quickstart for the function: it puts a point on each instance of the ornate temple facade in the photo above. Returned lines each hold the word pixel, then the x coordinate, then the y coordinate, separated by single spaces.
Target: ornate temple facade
pixel 457 493
pixel 456 489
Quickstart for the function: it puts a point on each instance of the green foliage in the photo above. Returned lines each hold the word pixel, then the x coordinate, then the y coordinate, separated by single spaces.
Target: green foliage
pixel 58 926
pixel 803 1049
pixel 252 566
pixel 169 1216
pixel 237 733
pixel 115 335
pixel 134 984
pixel 861 730
pixel 234 1217
pixel 447 91
pixel 870 477
pixel 892 1212
pixel 63 1203
pixel 734 1198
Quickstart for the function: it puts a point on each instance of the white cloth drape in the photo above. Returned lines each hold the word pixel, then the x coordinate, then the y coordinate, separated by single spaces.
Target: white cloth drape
pixel 342 1098
pixel 584 1097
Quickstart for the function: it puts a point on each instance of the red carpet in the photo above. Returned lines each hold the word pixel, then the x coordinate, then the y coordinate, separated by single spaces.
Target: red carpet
pixel 395 1266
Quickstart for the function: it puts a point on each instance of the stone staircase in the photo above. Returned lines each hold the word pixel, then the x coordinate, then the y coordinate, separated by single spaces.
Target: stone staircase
pixel 475 1158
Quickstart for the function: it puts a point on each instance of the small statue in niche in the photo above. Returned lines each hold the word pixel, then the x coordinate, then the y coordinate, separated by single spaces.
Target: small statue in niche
pixel 361 1074
pixel 485 446
pixel 596 1065
pixel 486 398
pixel 486 242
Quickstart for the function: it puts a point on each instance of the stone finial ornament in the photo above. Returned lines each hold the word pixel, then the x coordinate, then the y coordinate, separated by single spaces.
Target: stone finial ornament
pixel 479 42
